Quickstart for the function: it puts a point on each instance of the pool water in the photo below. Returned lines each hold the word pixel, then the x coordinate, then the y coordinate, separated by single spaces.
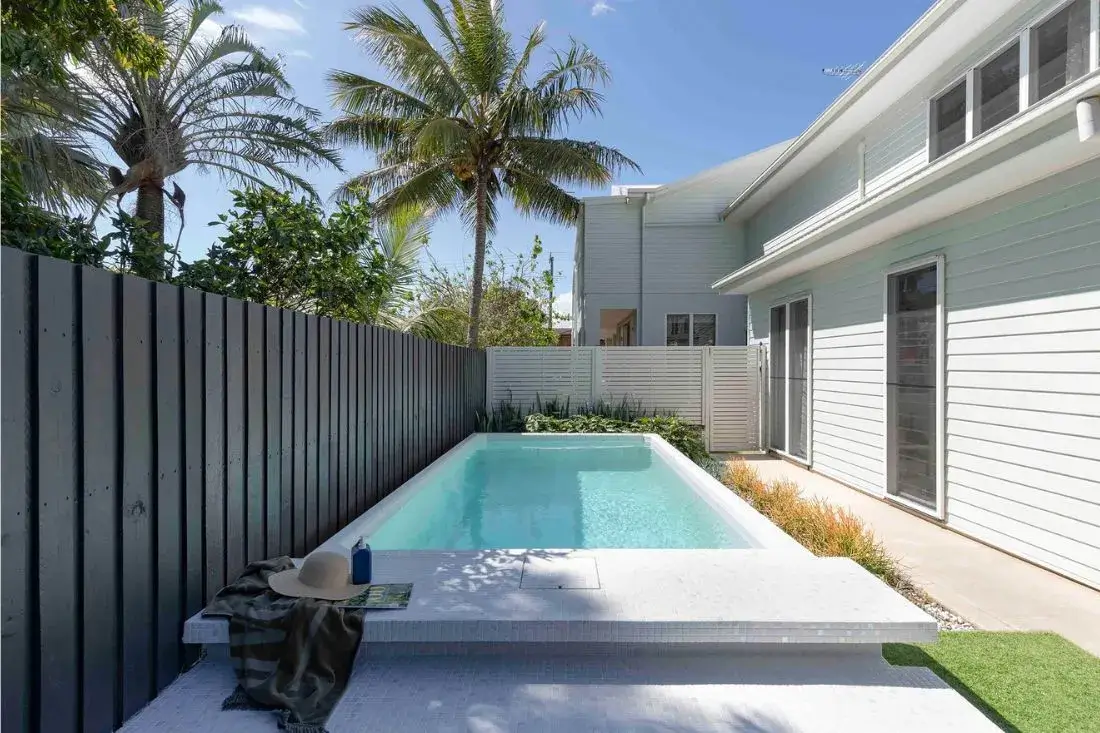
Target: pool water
pixel 568 493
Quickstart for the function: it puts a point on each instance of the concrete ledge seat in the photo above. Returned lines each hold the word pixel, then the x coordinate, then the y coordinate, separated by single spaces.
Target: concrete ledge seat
pixel 763 597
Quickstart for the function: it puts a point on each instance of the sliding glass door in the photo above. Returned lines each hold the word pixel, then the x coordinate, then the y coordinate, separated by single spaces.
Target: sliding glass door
pixel 789 386
pixel 913 385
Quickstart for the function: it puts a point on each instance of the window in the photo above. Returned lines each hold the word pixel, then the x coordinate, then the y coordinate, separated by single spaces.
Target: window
pixel 702 329
pixel 678 330
pixel 1060 49
pixel 998 91
pixel 949 120
pixel 690 329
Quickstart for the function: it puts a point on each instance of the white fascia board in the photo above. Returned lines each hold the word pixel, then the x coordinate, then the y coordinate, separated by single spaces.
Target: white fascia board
pixel 1065 151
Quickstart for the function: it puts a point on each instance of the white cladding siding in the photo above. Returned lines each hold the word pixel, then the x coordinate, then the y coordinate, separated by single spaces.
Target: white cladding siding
pixel 1023 367
pixel 668 380
pixel 895 147
pixel 687 259
pixel 612 250
pixel 826 188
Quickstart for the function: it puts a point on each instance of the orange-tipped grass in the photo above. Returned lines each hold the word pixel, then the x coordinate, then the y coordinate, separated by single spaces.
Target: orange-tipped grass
pixel 820 527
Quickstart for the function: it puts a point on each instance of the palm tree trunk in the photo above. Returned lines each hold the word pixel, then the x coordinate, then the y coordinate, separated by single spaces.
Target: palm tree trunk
pixel 481 195
pixel 148 259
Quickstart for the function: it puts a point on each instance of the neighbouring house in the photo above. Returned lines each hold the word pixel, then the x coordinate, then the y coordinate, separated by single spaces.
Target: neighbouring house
pixel 646 256
pixel 923 263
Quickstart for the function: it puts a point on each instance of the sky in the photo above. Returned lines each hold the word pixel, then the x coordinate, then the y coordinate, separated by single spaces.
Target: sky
pixel 695 83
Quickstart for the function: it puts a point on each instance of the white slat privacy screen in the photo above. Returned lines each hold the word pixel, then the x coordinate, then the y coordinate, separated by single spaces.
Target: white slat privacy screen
pixel 714 386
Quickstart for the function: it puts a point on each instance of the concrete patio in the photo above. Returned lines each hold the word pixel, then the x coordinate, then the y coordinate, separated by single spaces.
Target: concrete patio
pixel 594 691
pixel 993 590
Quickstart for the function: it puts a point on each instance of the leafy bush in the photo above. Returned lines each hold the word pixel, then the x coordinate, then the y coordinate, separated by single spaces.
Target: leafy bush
pixel 823 529
pixel 683 436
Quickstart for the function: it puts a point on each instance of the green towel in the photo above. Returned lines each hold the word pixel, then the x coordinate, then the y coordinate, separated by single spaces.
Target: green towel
pixel 291 655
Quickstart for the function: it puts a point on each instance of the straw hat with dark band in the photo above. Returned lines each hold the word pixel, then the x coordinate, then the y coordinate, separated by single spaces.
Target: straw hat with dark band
pixel 323 575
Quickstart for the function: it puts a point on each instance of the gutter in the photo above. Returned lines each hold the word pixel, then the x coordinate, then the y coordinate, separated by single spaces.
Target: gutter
pixel 926 23
pixel 1032 119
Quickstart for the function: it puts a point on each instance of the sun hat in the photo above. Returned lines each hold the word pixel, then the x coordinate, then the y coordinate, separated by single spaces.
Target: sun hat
pixel 323 575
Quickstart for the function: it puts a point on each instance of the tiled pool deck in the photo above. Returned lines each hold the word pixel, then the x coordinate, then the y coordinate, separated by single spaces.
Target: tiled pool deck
pixel 631 596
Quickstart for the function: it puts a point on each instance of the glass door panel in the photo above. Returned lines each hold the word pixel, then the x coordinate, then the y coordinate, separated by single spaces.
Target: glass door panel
pixel 777 388
pixel 798 424
pixel 912 340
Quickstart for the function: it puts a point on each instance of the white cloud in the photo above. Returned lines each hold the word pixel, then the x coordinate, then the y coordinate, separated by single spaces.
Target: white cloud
pixel 209 30
pixel 300 53
pixel 600 7
pixel 268 19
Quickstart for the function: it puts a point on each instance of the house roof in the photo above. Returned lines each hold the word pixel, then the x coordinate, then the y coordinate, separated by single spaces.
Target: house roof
pixel 945 29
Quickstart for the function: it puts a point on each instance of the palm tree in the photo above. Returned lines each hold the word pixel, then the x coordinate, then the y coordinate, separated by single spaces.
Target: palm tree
pixel 218 103
pixel 462 126
pixel 402 238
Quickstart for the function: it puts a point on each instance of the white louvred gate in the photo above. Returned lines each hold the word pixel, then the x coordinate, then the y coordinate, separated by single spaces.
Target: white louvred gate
pixel 717 387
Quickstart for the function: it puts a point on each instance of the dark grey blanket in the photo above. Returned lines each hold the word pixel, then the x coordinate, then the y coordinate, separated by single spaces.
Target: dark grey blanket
pixel 291 655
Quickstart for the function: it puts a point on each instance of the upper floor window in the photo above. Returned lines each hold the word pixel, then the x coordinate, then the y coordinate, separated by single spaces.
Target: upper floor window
pixel 1052 52
pixel 690 329
pixel 998 89
pixel 949 120
pixel 1060 50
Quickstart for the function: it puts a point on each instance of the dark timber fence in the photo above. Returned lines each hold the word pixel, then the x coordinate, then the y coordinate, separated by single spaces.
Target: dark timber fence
pixel 155 439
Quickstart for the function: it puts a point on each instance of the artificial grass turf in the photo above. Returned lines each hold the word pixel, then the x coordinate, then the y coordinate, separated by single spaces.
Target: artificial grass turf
pixel 1023 681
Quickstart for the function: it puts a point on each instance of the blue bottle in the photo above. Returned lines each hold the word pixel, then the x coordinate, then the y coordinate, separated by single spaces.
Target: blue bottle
pixel 360 562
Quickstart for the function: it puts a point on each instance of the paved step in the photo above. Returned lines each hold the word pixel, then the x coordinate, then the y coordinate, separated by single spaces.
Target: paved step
pixel 630 596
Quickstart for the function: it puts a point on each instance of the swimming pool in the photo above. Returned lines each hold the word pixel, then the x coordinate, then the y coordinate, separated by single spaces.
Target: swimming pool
pixel 496 491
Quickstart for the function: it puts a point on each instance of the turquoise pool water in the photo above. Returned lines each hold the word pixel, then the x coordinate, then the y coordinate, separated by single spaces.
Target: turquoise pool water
pixel 566 493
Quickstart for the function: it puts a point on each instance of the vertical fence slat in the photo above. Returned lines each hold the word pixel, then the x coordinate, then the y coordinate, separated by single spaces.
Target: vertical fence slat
pixel 255 463
pixel 333 399
pixel 101 497
pixel 234 439
pixel 324 428
pixel 286 434
pixel 365 405
pixel 312 424
pixel 19 563
pixel 273 386
pixel 301 410
pixel 58 490
pixel 214 432
pixel 345 405
pixel 137 497
pixel 169 495
pixel 194 395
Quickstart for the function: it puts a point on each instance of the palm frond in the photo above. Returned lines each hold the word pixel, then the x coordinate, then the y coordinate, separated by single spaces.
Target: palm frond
pixel 534 195
pixel 571 162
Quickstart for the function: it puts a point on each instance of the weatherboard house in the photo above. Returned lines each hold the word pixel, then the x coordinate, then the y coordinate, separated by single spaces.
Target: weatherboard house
pixel 923 264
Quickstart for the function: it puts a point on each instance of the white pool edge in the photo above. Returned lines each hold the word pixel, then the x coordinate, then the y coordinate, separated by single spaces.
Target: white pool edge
pixel 757 529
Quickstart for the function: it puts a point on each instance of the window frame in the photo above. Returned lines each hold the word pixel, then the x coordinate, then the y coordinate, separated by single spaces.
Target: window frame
pixel 785 303
pixel 932 100
pixel 691 328
pixel 1026 77
pixel 915 263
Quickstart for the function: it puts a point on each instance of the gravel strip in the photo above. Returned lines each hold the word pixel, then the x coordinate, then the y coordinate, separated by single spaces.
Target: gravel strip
pixel 946 618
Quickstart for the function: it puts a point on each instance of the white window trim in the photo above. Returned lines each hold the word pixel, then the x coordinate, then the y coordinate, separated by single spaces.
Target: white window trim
pixel 691 327
pixel 940 511
pixel 1026 80
pixel 975 88
pixel 786 304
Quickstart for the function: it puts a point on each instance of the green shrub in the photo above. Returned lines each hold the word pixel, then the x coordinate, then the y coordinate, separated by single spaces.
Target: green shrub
pixel 683 436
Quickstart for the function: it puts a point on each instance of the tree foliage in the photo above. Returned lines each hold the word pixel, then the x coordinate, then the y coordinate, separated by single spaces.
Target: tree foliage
pixel 217 103
pixel 462 125
pixel 515 306
pixel 284 252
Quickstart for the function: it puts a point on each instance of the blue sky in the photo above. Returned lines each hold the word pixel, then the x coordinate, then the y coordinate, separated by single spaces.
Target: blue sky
pixel 695 83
